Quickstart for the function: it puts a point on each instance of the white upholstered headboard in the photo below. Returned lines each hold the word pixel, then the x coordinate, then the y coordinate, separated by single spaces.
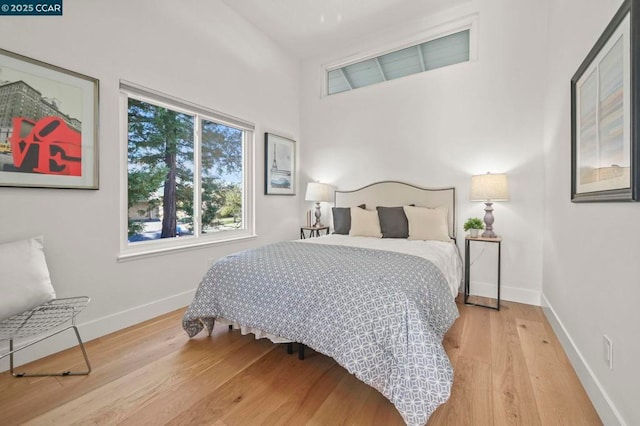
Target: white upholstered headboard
pixel 392 194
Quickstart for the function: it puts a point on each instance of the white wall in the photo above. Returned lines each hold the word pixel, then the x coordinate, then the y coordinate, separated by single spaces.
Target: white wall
pixel 591 267
pixel 440 127
pixel 198 51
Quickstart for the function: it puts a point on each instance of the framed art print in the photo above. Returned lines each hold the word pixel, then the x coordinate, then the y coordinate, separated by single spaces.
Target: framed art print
pixel 48 125
pixel 279 165
pixel 604 114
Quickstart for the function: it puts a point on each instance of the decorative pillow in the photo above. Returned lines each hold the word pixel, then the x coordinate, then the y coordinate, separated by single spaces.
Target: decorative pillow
pixel 24 278
pixel 342 219
pixel 393 222
pixel 365 223
pixel 427 224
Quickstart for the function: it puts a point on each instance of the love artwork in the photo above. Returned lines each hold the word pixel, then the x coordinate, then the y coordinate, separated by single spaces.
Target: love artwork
pixel 47 146
pixel 48 125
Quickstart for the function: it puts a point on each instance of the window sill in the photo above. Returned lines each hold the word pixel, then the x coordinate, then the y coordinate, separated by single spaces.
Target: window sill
pixel 146 252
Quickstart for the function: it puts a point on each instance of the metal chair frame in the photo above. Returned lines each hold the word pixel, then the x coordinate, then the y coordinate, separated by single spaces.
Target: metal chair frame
pixel 42 319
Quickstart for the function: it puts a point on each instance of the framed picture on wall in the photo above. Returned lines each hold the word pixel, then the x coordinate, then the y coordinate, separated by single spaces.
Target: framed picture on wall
pixel 279 165
pixel 605 109
pixel 48 125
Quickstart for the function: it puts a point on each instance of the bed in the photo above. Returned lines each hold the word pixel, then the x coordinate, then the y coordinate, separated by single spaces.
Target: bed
pixel 379 306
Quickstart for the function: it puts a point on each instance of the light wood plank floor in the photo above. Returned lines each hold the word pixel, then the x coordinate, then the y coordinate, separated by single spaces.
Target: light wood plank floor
pixel 509 370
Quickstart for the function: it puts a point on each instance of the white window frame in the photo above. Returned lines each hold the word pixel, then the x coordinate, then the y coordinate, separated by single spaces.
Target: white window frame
pixel 469 22
pixel 141 249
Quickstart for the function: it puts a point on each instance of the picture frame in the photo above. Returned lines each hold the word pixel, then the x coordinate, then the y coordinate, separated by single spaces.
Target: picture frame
pixel 605 104
pixel 48 125
pixel 279 165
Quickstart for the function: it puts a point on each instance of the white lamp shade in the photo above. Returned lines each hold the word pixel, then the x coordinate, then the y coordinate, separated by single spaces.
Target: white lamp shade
pixel 318 192
pixel 493 187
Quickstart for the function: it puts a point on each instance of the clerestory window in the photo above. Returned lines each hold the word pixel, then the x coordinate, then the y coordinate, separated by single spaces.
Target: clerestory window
pixel 435 53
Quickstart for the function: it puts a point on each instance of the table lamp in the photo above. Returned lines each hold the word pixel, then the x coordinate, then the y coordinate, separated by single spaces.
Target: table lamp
pixel 318 192
pixel 489 188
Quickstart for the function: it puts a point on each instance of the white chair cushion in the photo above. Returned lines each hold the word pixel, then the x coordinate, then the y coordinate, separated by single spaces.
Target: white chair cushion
pixel 24 278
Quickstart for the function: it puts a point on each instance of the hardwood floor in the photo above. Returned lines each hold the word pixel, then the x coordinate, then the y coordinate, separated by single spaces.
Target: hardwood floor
pixel 509 369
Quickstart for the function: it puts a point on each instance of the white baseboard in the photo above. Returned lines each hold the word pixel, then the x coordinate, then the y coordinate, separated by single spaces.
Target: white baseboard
pixel 512 294
pixel 96 328
pixel 599 397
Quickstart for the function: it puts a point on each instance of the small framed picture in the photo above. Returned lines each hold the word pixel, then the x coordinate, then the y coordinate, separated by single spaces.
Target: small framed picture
pixel 48 125
pixel 605 156
pixel 279 165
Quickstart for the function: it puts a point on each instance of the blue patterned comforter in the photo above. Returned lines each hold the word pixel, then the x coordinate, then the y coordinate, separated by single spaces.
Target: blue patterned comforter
pixel 381 315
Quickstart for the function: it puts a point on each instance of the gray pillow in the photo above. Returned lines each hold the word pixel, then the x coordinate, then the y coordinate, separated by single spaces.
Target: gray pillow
pixel 393 222
pixel 342 219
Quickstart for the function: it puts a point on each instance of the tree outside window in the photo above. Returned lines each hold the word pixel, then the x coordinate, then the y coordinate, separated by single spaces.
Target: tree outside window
pixel 165 197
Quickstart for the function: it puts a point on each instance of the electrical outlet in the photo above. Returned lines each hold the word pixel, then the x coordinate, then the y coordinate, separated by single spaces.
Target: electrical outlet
pixel 608 351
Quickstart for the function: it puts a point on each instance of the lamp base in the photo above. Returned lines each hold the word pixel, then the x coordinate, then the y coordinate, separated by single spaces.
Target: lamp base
pixel 488 221
pixel 489 234
pixel 318 224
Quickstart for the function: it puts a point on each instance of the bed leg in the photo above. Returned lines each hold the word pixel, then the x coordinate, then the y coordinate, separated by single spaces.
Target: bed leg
pixel 300 351
pixel 289 348
pixel 230 327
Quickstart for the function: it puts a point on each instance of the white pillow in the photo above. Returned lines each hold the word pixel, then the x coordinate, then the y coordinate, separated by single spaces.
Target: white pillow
pixel 427 224
pixel 24 277
pixel 365 223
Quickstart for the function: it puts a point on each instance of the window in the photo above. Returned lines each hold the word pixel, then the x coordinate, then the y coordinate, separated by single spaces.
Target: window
pixel 188 175
pixel 435 53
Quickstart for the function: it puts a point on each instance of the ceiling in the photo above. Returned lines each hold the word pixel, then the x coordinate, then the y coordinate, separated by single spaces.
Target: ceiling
pixel 310 27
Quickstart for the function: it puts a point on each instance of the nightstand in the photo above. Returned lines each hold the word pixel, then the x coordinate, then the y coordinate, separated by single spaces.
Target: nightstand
pixel 314 231
pixel 467 268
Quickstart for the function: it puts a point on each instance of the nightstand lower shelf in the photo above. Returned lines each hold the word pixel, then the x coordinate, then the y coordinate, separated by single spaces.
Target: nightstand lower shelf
pixel 467 273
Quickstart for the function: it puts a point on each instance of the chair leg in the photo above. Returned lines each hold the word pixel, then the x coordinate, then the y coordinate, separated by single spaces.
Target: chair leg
pixel 64 373
pixel 11 356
